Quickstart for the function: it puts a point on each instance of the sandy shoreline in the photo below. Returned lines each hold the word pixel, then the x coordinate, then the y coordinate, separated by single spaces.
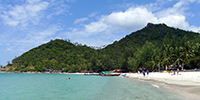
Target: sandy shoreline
pixel 187 84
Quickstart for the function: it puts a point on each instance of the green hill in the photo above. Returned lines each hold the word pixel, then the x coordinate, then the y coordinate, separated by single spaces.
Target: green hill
pixel 154 33
pixel 153 47
pixel 55 55
pixel 157 34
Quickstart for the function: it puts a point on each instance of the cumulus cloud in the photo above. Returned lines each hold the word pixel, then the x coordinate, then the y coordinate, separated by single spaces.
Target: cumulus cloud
pixel 80 20
pixel 131 19
pixel 175 20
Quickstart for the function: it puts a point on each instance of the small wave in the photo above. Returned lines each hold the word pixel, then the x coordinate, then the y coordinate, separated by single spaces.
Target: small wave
pixel 155 85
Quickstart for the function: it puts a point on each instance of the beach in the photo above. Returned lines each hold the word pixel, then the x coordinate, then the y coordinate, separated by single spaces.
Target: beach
pixel 186 84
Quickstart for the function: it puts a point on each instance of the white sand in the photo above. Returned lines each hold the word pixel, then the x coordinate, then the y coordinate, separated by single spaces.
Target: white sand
pixel 186 78
pixel 187 84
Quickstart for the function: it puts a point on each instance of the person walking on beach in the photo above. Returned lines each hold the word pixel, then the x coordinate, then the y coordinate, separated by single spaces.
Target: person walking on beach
pixel 147 72
pixel 178 70
pixel 138 72
pixel 143 72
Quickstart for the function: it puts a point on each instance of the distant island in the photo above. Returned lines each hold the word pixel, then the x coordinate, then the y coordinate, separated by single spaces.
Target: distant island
pixel 152 47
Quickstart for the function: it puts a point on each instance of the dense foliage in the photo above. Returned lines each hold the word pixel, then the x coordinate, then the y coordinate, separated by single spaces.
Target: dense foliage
pixel 152 47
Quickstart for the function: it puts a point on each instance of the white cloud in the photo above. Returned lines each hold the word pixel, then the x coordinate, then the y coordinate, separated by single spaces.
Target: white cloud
pixel 80 20
pixel 96 27
pixel 194 28
pixel 24 42
pixel 9 49
pixel 57 7
pixel 92 14
pixel 178 8
pixel 43 35
pixel 131 19
pixel 24 14
pixel 175 20
pixel 34 9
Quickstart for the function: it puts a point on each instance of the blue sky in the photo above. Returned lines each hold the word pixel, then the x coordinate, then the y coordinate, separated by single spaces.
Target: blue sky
pixel 26 24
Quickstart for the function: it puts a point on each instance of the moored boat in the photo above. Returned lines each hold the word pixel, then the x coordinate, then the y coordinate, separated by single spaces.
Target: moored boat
pixel 109 73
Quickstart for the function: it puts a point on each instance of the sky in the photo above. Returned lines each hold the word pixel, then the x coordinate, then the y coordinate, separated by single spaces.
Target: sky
pixel 26 24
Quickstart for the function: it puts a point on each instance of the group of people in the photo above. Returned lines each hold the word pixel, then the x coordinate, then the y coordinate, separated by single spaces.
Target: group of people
pixel 177 69
pixel 175 72
pixel 144 71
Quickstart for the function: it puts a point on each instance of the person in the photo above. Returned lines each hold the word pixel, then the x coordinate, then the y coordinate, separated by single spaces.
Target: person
pixel 69 78
pixel 178 71
pixel 143 72
pixel 173 73
pixel 147 72
pixel 138 72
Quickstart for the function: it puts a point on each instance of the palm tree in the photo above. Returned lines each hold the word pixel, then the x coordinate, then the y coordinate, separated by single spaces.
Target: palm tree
pixel 156 60
pixel 195 58
pixel 196 48
pixel 177 56
pixel 188 51
pixel 167 55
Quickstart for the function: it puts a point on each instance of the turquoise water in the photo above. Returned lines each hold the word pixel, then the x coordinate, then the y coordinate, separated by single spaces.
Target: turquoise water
pixel 79 87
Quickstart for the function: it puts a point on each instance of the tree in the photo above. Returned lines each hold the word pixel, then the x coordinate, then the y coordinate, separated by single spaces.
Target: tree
pixel 143 54
pixel 167 52
pixel 8 63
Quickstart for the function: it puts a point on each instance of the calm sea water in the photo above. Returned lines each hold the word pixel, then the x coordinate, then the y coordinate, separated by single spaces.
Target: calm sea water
pixel 79 87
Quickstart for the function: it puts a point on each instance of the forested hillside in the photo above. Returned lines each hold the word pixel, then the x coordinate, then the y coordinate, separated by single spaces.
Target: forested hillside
pixel 153 47
pixel 129 54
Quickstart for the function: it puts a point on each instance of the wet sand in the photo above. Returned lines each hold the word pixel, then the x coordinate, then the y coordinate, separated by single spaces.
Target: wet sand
pixel 187 84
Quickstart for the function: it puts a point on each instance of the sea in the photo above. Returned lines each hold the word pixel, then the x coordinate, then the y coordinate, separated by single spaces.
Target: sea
pixel 18 86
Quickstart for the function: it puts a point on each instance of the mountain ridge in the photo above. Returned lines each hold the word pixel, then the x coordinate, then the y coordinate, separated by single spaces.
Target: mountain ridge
pixel 65 56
